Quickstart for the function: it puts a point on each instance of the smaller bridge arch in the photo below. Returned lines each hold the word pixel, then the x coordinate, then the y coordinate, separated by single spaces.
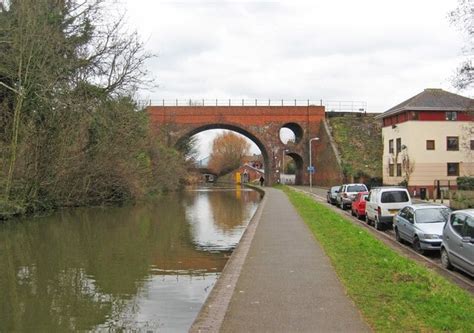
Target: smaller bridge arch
pixel 299 162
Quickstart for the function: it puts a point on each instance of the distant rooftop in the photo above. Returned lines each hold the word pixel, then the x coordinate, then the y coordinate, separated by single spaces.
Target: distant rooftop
pixel 432 99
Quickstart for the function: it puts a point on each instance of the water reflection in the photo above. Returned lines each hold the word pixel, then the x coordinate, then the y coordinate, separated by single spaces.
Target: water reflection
pixel 149 266
pixel 217 224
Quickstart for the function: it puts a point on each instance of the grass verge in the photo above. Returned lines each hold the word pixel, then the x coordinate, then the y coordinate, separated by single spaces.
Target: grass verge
pixel 394 293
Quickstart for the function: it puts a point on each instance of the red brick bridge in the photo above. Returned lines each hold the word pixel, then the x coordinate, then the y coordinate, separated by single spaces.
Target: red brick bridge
pixel 261 124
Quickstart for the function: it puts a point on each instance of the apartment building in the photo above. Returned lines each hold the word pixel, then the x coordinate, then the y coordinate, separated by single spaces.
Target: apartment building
pixel 428 142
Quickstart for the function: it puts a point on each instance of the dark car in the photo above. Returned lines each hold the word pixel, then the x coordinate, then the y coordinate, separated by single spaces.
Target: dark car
pixel 358 205
pixel 332 194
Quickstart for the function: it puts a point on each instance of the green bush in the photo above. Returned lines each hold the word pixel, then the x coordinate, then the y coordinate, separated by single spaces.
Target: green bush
pixel 10 209
pixel 462 200
pixel 465 183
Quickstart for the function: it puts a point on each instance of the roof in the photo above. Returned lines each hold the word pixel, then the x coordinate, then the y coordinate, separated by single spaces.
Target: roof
pixel 427 205
pixel 432 100
pixel 469 211
pixel 246 165
pixel 389 187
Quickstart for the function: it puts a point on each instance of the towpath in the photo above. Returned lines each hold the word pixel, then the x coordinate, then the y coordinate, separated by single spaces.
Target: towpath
pixel 286 282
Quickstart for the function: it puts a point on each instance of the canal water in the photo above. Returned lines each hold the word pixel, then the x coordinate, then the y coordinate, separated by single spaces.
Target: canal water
pixel 146 267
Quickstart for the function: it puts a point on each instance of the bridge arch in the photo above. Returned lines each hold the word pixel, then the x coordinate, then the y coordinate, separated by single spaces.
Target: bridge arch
pixel 231 127
pixel 299 175
pixel 296 129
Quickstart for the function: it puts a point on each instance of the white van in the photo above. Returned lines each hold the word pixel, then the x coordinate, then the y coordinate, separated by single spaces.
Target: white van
pixel 383 203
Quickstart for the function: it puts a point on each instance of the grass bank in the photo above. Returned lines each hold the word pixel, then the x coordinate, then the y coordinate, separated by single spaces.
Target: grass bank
pixel 394 294
pixel 358 139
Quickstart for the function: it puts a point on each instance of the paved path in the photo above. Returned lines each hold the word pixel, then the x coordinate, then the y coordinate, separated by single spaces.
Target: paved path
pixel 287 283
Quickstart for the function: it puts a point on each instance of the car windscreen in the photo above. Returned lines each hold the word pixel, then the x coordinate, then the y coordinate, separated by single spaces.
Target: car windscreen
pixel 431 215
pixel 394 196
pixel 356 188
pixel 334 189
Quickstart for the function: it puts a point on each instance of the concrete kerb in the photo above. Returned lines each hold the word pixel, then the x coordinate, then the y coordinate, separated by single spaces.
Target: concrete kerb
pixel 212 313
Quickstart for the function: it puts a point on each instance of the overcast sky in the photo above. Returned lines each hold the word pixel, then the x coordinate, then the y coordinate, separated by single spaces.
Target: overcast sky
pixel 381 52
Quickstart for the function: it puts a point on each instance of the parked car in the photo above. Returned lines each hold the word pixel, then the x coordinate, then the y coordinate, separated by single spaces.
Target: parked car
pixel 332 194
pixel 358 205
pixel 383 203
pixel 457 248
pixel 347 193
pixel 421 225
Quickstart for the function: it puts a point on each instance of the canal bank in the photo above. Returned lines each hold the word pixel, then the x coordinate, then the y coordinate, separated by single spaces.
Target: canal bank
pixel 278 279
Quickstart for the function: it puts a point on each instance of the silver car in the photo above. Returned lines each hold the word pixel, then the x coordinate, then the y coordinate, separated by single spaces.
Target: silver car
pixel 347 193
pixel 421 225
pixel 457 248
pixel 332 194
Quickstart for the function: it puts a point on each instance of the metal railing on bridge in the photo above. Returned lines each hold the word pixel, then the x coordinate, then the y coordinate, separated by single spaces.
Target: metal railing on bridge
pixel 330 105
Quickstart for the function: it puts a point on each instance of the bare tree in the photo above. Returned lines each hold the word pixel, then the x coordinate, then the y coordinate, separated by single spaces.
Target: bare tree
pixel 408 167
pixel 70 131
pixel 463 18
pixel 228 149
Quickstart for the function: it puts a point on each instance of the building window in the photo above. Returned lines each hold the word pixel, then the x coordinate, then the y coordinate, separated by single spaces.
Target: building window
pixel 399 145
pixel 453 169
pixel 472 144
pixel 451 115
pixel 430 144
pixel 452 143
pixel 391 170
pixel 390 146
pixel 399 169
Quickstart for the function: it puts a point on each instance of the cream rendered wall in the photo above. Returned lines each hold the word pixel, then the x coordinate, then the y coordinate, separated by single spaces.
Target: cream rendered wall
pixel 428 164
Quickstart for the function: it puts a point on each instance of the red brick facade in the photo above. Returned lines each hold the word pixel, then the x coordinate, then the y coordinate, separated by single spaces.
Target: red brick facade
pixel 423 116
pixel 253 174
pixel 261 124
pixel 328 171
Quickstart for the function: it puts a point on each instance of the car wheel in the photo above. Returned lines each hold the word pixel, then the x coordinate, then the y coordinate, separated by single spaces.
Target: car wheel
pixel 357 215
pixel 367 220
pixel 417 246
pixel 342 205
pixel 397 236
pixel 445 259
pixel 377 225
